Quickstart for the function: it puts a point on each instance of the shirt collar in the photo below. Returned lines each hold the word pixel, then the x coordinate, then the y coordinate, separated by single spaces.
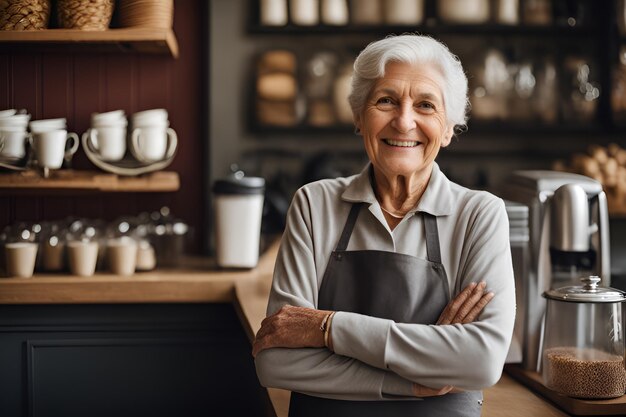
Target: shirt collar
pixel 436 200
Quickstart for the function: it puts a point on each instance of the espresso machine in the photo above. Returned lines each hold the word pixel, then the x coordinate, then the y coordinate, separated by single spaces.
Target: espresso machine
pixel 568 237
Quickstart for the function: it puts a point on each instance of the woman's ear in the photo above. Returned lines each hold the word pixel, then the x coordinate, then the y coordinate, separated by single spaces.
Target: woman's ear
pixel 447 136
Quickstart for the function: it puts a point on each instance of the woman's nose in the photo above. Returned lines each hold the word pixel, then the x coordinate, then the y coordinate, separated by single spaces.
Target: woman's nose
pixel 404 120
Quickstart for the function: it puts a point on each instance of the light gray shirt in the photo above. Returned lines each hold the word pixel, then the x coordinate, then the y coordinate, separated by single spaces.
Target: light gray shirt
pixel 378 359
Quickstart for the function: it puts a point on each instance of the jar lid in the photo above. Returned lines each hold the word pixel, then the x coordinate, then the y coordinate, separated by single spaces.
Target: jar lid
pixel 589 292
pixel 237 183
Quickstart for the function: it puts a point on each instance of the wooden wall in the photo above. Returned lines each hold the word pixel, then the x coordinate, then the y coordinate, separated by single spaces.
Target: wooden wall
pixel 63 82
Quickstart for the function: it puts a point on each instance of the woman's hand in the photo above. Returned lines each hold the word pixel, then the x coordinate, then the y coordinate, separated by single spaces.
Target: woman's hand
pixel 466 306
pixel 291 327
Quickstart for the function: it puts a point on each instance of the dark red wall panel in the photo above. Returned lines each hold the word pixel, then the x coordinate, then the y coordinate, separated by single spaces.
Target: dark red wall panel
pixel 53 82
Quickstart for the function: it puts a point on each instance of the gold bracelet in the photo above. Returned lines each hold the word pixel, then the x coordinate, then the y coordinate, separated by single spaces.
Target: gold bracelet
pixel 323 325
pixel 327 329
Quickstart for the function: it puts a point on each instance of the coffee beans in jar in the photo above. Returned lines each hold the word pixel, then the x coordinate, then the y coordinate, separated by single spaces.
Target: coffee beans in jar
pixel 585 373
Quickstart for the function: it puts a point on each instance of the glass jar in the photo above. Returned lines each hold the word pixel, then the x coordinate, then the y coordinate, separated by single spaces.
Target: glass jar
pixel 583 346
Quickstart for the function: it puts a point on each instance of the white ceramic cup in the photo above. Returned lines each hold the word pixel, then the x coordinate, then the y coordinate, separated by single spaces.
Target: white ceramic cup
pixel 13 143
pixel 7 112
pixel 20 259
pixel 49 147
pixel 149 117
pixel 45 125
pixel 82 257
pixel 109 117
pixel 108 141
pixel 153 143
pixel 16 121
pixel 122 255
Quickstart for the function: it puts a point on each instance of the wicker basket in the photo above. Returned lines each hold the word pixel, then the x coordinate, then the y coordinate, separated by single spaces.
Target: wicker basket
pixel 24 14
pixel 146 13
pixel 85 14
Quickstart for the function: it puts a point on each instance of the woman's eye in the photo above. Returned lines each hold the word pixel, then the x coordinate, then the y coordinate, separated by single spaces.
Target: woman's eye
pixel 384 101
pixel 426 105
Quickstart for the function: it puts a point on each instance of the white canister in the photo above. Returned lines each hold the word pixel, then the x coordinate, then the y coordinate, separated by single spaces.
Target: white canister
pixel 304 12
pixel 404 12
pixel 273 12
pixel 464 11
pixel 507 12
pixel 238 212
pixel 335 12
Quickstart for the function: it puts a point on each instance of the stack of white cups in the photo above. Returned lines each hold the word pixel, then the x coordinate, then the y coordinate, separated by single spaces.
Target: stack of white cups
pixel 107 135
pixel 13 135
pixel 152 139
pixel 48 139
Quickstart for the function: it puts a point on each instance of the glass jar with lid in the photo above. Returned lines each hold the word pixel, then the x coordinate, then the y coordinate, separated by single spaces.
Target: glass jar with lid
pixel 583 346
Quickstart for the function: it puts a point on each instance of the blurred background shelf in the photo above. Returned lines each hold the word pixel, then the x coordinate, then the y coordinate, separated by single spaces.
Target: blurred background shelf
pixel 143 40
pixel 87 181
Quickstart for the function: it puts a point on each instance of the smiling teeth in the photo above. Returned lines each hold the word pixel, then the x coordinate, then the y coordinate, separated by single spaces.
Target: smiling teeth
pixel 404 143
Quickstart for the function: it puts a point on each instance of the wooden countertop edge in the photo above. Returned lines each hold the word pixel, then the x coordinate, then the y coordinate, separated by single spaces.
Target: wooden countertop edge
pixel 247 290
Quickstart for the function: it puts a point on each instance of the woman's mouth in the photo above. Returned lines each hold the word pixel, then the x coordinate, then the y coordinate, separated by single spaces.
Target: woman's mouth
pixel 402 143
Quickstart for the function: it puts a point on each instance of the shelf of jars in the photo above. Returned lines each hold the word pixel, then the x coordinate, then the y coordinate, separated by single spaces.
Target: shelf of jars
pixel 143 40
pixel 533 65
pixel 560 18
pixel 87 181
pixel 427 29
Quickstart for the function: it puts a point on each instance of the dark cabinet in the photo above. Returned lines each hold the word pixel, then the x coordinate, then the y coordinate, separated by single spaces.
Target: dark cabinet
pixel 126 360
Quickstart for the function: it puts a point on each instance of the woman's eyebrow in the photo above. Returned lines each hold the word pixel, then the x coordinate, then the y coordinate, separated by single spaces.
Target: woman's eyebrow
pixel 420 96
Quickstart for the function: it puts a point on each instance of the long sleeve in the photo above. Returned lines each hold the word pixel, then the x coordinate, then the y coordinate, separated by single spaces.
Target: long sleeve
pixel 467 356
pixel 317 372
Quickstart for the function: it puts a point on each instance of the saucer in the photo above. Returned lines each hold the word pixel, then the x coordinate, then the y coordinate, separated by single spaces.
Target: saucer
pixel 13 163
pixel 128 166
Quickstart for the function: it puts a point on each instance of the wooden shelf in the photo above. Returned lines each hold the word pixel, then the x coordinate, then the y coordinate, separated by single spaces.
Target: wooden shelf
pixel 429 29
pixel 145 40
pixel 90 181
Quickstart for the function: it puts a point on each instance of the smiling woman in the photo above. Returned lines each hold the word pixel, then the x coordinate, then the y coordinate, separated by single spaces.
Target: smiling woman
pixel 394 284
pixel 403 126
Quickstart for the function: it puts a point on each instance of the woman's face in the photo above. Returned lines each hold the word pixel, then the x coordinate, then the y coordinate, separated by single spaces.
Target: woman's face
pixel 403 122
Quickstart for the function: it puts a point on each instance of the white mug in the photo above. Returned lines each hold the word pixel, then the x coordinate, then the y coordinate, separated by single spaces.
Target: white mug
pixel 122 255
pixel 20 259
pixel 108 141
pixel 45 125
pixel 50 147
pixel 13 144
pixel 149 117
pixel 153 143
pixel 114 116
pixel 82 257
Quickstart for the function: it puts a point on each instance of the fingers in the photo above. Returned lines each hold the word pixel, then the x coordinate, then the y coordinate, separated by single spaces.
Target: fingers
pixel 423 391
pixel 480 305
pixel 453 306
pixel 470 302
pixel 467 306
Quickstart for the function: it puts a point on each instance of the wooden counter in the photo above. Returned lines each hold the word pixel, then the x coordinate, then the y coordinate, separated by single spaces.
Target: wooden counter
pixel 248 290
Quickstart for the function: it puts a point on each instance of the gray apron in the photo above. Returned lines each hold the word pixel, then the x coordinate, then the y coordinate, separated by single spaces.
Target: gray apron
pixel 393 286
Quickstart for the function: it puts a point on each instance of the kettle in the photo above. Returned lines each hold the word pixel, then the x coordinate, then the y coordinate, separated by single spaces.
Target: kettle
pixel 583 346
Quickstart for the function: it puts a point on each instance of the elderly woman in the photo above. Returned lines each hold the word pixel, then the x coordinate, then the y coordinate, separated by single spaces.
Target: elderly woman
pixel 393 291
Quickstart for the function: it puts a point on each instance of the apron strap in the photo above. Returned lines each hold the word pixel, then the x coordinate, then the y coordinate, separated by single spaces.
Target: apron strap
pixel 347 229
pixel 432 238
pixel 433 251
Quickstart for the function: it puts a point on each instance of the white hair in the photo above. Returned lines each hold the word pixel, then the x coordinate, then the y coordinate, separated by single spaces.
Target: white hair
pixel 411 49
